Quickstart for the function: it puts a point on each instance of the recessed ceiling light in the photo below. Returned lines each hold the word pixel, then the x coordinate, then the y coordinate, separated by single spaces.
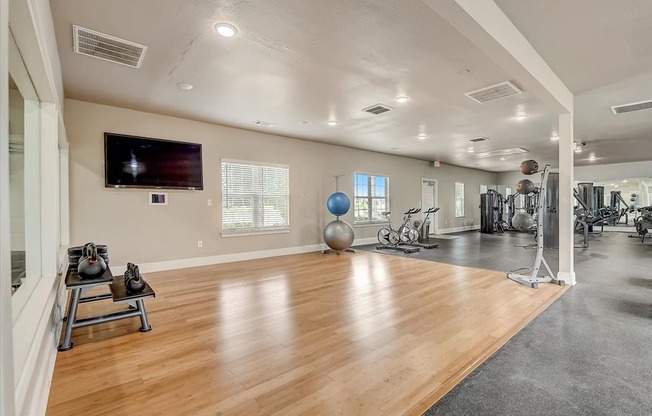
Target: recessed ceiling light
pixel 624 180
pixel 332 123
pixel 422 136
pixel 395 149
pixel 520 117
pixel 613 184
pixel 578 150
pixel 554 137
pixel 503 158
pixel 184 86
pixel 226 29
pixel 470 150
pixel 402 99
pixel 591 157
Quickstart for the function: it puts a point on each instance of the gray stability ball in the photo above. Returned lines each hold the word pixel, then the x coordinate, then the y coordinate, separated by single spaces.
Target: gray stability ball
pixel 338 235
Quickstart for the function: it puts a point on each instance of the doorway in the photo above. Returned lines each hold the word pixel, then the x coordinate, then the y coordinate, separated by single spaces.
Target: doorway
pixel 430 199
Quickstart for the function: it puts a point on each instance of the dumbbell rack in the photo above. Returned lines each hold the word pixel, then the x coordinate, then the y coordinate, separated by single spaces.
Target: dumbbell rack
pixel 119 294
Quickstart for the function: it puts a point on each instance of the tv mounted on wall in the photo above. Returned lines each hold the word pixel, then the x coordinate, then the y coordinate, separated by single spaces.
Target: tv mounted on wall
pixel 142 162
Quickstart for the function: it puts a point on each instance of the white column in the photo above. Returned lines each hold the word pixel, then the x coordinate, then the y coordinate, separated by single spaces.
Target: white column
pixel 566 225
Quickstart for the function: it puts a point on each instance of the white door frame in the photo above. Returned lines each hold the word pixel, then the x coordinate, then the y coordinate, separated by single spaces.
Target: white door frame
pixel 435 216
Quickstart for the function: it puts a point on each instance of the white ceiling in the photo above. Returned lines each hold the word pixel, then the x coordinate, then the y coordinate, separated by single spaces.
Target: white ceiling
pixel 295 61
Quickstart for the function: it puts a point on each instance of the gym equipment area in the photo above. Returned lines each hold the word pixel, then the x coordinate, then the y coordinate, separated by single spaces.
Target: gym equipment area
pixel 411 236
pixel 88 269
pixel 289 208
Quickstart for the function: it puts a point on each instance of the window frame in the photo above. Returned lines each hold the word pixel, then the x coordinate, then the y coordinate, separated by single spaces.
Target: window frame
pixel 370 198
pixel 463 199
pixel 255 230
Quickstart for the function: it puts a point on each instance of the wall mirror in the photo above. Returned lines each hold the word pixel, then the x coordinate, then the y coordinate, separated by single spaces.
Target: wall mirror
pixel 24 180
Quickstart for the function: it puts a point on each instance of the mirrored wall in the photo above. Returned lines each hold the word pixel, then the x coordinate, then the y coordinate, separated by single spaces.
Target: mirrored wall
pixel 24 178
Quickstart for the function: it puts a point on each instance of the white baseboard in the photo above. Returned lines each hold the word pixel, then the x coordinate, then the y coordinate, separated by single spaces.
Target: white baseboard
pixel 230 258
pixel 568 278
pixel 458 229
pixel 219 259
pixel 364 241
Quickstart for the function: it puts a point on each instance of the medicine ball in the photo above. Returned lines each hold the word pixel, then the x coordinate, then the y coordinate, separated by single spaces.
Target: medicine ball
pixel 529 167
pixel 525 186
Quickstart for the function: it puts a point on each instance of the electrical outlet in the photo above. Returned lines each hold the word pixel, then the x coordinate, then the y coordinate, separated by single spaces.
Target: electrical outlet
pixel 209 202
pixel 200 244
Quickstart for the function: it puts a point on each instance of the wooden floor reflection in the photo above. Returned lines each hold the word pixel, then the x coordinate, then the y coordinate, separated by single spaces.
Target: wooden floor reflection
pixel 308 334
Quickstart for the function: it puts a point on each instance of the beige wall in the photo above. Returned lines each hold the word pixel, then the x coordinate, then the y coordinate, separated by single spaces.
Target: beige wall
pixel 138 232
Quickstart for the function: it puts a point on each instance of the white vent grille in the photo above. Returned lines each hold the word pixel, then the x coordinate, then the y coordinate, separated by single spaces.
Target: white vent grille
pixel 108 48
pixel 479 139
pixel 628 108
pixel 494 92
pixel 377 109
pixel 503 152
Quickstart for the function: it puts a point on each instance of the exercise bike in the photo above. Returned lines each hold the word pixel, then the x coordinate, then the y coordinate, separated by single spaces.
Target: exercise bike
pixel 410 235
pixel 391 238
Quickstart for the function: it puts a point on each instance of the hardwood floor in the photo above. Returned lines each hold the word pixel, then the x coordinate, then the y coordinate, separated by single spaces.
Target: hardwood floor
pixel 309 334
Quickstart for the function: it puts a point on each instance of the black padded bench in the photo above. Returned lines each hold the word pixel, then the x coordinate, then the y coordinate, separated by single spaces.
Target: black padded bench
pixel 118 292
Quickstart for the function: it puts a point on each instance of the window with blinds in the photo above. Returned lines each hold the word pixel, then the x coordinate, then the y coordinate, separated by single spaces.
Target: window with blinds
pixel 459 199
pixel 255 197
pixel 370 198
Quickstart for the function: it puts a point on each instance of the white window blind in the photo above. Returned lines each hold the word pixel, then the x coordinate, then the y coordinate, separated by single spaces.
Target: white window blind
pixel 371 197
pixel 459 199
pixel 255 197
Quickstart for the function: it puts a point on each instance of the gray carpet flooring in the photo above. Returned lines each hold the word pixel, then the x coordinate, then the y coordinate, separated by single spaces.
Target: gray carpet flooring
pixel 589 353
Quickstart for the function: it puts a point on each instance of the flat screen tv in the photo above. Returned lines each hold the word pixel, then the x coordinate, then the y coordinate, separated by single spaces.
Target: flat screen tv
pixel 141 162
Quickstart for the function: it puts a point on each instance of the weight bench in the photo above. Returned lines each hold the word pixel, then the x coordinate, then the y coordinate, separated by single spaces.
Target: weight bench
pixel 119 294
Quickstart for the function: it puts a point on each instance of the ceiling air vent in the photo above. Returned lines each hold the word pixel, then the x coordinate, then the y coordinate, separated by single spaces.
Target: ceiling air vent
pixel 377 109
pixel 502 152
pixel 494 92
pixel 628 108
pixel 479 139
pixel 108 48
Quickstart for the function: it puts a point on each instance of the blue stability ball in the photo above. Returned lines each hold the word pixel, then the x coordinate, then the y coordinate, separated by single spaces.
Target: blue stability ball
pixel 338 203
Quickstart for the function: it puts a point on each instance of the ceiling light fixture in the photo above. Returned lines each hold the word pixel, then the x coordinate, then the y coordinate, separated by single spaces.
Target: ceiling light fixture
pixel 554 137
pixel 520 117
pixel 332 123
pixel 613 184
pixel 422 136
pixel 503 158
pixel 624 180
pixel 226 30
pixel 470 150
pixel 591 157
pixel 402 99
pixel 184 86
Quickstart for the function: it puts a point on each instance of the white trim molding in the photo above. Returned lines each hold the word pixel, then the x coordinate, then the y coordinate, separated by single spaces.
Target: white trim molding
pixel 459 229
pixel 166 265
pixel 568 278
